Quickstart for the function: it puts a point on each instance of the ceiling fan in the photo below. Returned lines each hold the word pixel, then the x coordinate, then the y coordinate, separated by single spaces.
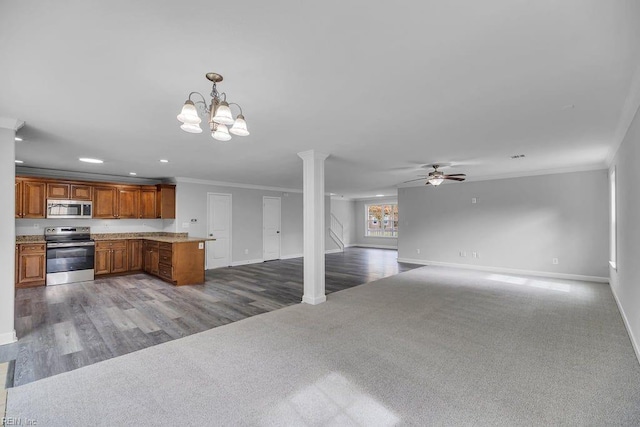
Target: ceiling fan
pixel 437 177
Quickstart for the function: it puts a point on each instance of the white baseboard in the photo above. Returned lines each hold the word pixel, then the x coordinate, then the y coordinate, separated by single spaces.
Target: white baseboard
pixel 634 341
pixel 368 245
pixel 247 261
pixel 8 338
pixel 291 256
pixel 314 300
pixel 332 251
pixel 508 270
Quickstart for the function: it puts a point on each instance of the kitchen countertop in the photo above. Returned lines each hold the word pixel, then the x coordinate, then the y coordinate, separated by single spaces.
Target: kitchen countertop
pixel 154 236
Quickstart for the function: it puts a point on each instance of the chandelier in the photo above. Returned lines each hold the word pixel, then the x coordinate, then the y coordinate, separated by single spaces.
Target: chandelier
pixel 217 113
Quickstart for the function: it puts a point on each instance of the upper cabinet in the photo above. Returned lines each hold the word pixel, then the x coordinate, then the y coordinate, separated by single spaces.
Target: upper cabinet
pixel 166 201
pixel 110 200
pixel 30 199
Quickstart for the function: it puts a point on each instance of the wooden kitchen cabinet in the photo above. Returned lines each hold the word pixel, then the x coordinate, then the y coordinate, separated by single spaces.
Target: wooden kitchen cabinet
pixel 151 257
pixel 105 200
pixel 148 201
pixel 58 191
pixel 31 199
pixel 111 257
pixel 128 202
pixel 165 201
pixel 80 192
pixel 181 263
pixel 31 265
pixel 135 255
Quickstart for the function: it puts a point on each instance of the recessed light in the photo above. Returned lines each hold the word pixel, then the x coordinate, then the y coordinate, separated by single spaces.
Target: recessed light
pixel 133 173
pixel 90 160
pixel 164 161
pixel 17 138
pixel 19 161
pixel 568 107
pixel 379 195
pixel 332 194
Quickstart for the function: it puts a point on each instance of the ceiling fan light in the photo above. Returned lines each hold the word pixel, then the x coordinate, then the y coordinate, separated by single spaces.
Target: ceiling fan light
pixel 189 114
pixel 436 181
pixel 239 126
pixel 191 128
pixel 223 114
pixel 221 133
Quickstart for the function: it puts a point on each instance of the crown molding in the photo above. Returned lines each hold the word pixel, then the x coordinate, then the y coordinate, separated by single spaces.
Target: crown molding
pixel 85 176
pixel 629 111
pixel 236 185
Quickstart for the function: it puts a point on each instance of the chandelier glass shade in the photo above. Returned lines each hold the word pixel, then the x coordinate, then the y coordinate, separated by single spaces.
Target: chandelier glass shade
pixel 436 181
pixel 217 112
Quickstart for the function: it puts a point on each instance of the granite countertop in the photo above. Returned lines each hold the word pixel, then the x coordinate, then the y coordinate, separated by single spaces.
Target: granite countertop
pixel 155 236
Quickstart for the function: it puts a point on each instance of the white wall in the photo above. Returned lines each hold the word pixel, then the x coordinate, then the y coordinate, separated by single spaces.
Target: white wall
pixel 246 211
pixel 7 234
pixel 359 218
pixel 37 226
pixel 518 223
pixel 343 210
pixel 625 280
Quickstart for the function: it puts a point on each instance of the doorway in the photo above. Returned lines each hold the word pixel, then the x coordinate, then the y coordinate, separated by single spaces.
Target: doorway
pixel 271 236
pixel 219 228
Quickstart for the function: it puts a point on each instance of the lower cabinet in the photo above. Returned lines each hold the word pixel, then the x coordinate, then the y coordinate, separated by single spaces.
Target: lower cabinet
pixel 135 255
pixel 31 262
pixel 180 263
pixel 111 257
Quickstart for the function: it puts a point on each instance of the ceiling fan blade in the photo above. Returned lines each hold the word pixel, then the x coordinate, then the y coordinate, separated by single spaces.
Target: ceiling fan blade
pixel 453 178
pixel 412 180
pixel 457 174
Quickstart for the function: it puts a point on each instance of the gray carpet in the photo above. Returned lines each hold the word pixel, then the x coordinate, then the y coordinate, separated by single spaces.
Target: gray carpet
pixel 432 346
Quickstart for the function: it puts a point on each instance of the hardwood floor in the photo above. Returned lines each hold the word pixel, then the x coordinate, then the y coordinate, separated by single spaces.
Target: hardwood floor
pixel 61 328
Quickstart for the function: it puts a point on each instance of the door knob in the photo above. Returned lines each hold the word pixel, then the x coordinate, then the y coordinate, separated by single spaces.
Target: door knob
pixel 277 232
pixel 210 235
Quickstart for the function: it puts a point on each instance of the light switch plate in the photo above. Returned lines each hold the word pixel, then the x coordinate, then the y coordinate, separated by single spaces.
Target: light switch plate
pixel 201 245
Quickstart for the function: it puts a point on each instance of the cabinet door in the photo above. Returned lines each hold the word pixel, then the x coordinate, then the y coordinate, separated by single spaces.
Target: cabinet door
pixel 155 258
pixel 102 262
pixel 135 255
pixel 57 191
pixel 119 260
pixel 18 198
pixel 148 202
pixel 80 192
pixel 166 201
pixel 33 199
pixel 31 268
pixel 128 203
pixel 104 202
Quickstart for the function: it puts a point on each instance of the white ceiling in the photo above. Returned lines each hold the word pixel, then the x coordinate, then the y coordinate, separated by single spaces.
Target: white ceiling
pixel 382 87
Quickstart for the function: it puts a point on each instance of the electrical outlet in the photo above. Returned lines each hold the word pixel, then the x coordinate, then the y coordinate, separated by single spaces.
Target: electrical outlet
pixel 463 253
pixel 36 225
pixel 246 251
pixel 418 251
pixel 555 261
pixel 474 200
pixel 185 225
pixel 194 220
pixel 475 255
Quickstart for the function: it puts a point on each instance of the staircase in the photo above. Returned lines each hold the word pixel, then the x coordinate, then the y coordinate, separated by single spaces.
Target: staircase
pixel 336 231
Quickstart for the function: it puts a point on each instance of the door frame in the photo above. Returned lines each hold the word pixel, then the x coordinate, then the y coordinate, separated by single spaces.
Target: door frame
pixel 209 194
pixel 264 243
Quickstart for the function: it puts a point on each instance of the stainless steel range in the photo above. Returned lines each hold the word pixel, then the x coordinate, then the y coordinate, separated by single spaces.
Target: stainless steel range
pixel 70 254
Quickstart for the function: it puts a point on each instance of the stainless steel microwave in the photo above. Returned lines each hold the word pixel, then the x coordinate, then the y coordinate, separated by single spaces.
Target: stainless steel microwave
pixel 69 209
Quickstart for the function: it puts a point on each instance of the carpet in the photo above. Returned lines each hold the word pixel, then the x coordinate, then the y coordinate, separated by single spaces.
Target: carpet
pixel 431 346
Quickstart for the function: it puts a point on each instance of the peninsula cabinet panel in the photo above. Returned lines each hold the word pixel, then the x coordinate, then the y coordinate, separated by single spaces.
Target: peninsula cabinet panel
pixel 34 199
pixel 31 265
pixel 128 202
pixel 80 192
pixel 58 191
pixel 148 202
pixel 105 202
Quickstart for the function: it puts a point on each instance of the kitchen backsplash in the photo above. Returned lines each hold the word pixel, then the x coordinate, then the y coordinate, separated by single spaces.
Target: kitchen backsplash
pixel 37 226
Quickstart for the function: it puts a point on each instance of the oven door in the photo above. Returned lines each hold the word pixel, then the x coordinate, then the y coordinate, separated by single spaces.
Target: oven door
pixel 72 256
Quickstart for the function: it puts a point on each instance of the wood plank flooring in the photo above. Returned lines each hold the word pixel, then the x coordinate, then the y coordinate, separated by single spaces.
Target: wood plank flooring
pixel 61 328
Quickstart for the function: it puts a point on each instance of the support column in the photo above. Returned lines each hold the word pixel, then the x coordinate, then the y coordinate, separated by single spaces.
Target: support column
pixel 8 128
pixel 314 232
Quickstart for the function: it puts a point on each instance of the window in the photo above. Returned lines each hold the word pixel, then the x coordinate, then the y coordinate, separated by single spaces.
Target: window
pixel 613 227
pixel 382 220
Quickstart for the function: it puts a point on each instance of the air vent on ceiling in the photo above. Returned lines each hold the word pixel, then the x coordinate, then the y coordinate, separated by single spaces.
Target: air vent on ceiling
pixel 518 156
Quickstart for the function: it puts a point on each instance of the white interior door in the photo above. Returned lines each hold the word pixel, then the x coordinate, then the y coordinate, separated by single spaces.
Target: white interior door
pixel 271 228
pixel 219 228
